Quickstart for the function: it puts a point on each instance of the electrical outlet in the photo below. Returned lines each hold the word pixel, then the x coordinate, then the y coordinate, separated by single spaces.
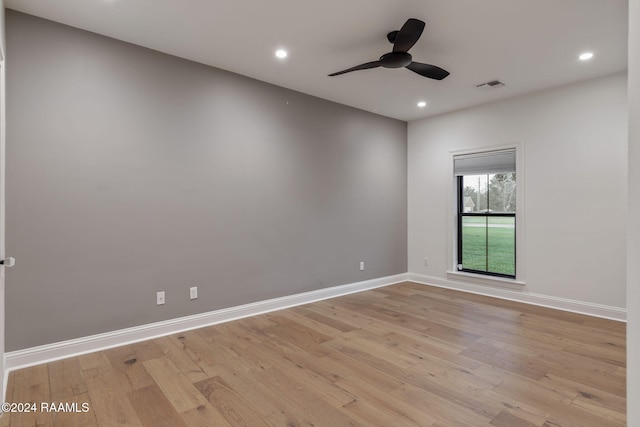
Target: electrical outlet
pixel 193 292
pixel 426 262
pixel 361 265
pixel 160 298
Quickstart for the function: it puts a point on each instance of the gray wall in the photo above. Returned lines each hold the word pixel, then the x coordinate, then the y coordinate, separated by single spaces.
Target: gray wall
pixel 130 172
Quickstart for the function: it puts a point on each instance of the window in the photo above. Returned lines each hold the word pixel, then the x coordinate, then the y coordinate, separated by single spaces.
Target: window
pixel 486 212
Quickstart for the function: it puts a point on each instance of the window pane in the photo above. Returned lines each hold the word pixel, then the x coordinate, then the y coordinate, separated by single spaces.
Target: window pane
pixel 474 193
pixel 501 245
pixel 474 243
pixel 502 192
pixel 487 236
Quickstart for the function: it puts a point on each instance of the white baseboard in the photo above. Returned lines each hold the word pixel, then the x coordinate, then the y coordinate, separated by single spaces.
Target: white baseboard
pixel 61 350
pixel 575 306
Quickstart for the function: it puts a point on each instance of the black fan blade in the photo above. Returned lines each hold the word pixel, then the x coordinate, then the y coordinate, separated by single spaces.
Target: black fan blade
pixel 373 64
pixel 426 70
pixel 408 35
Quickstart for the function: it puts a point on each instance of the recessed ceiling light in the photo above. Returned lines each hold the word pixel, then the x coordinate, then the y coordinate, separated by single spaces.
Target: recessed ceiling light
pixel 586 56
pixel 422 104
pixel 281 53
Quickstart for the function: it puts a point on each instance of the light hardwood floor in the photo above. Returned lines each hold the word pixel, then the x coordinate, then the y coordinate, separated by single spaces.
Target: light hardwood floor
pixel 402 355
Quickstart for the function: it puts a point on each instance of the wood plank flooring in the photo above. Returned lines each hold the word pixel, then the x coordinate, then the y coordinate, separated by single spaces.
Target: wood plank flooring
pixel 403 355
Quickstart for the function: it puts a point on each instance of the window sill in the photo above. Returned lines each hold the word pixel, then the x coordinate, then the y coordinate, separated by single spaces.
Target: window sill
pixel 481 279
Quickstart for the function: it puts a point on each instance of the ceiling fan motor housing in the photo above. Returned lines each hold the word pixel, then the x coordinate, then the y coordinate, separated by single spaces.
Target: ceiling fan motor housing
pixel 395 59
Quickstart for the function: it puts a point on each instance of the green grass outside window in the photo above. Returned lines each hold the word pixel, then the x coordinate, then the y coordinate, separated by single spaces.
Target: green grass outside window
pixel 497 241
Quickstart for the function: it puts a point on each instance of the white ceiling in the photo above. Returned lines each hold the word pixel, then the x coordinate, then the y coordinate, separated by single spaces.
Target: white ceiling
pixel 528 44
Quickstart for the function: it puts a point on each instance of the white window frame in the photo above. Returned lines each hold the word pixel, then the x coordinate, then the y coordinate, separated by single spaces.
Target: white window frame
pixel 452 226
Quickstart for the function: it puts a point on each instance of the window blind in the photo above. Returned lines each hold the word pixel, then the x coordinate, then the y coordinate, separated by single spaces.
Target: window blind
pixel 485 162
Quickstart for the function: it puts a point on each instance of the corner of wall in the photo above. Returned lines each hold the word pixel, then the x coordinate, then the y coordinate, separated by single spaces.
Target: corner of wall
pixel 3 375
pixel 633 227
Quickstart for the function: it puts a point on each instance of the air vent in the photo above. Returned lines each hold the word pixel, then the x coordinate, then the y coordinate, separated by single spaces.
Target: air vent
pixel 493 84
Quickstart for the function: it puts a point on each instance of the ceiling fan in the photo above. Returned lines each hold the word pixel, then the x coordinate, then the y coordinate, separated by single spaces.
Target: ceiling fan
pixel 399 57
